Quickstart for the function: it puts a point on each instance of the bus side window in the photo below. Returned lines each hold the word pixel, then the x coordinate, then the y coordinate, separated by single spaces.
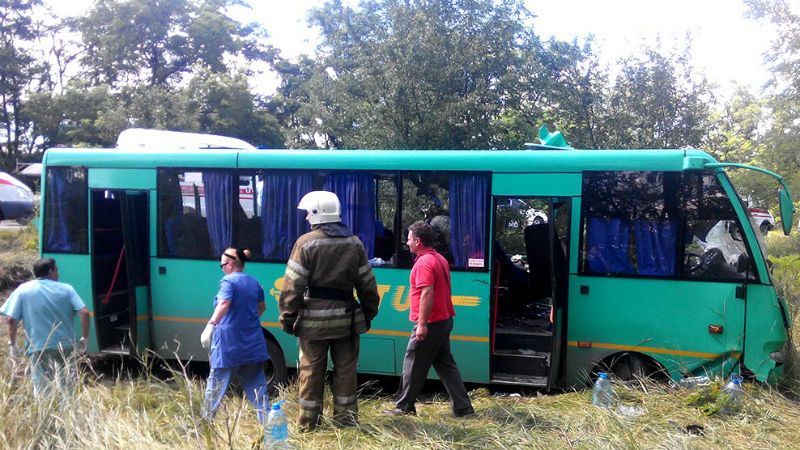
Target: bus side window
pixel 183 210
pixel 713 245
pixel 630 223
pixel 65 211
pixel 456 205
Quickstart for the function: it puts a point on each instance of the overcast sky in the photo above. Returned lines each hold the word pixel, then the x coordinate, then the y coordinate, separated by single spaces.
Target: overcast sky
pixel 727 47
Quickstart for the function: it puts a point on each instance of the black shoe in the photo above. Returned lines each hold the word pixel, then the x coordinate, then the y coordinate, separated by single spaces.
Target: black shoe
pixel 400 412
pixel 468 412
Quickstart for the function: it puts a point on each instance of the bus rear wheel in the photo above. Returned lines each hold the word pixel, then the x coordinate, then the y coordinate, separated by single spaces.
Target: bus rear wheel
pixel 631 367
pixel 275 369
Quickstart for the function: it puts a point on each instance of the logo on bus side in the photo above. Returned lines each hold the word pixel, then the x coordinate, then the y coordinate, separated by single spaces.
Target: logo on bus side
pixel 398 295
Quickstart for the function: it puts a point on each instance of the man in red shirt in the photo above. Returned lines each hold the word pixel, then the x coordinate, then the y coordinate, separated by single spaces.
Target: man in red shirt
pixel 432 313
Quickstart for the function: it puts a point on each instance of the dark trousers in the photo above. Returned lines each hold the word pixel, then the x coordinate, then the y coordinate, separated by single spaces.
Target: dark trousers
pixel 420 356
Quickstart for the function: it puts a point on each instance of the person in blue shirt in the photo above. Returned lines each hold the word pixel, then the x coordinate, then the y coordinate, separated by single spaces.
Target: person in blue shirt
pixel 47 310
pixel 234 335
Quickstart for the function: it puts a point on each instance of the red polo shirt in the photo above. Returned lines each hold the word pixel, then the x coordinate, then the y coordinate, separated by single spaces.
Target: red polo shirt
pixel 431 269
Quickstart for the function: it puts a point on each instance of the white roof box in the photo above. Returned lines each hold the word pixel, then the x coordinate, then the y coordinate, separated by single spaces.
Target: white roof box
pixel 144 139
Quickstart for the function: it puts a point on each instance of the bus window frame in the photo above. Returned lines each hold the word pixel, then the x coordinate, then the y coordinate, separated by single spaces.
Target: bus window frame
pixel 395 174
pixel 680 255
pixel 43 199
pixel 184 170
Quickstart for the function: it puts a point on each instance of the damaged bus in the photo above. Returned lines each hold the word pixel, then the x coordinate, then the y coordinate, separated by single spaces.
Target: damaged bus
pixel 564 261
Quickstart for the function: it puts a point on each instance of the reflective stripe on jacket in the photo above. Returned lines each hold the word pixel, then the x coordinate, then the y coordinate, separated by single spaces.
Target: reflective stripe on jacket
pixel 327 263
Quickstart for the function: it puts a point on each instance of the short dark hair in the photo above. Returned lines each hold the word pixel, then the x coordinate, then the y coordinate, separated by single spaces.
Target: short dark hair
pixel 423 231
pixel 42 267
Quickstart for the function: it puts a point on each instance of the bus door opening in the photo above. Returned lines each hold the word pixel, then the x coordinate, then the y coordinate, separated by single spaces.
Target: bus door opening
pixel 529 280
pixel 120 269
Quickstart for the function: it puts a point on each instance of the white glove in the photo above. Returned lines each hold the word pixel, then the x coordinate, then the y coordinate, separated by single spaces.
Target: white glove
pixel 205 338
pixel 83 345
pixel 13 353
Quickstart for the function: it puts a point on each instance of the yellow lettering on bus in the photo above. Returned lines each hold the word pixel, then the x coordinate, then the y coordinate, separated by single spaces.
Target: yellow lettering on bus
pixel 399 302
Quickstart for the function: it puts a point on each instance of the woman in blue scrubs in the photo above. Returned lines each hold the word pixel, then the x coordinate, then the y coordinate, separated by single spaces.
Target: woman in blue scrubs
pixel 234 334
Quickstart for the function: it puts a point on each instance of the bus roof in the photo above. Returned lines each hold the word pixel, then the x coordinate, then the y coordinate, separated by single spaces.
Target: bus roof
pixel 510 161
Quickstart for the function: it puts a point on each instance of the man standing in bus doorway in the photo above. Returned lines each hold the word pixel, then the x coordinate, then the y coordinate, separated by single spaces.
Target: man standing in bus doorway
pixel 317 306
pixel 432 314
pixel 47 309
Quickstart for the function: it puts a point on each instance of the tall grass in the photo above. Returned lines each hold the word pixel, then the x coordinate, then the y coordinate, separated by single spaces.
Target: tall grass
pixel 145 411
pixel 160 412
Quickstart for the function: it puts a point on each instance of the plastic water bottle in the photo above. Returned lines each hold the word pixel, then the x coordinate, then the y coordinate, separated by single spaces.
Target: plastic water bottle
pixel 693 382
pixel 276 434
pixel 735 393
pixel 602 394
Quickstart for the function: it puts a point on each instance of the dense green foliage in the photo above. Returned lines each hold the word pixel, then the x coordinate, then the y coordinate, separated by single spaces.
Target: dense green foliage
pixel 386 74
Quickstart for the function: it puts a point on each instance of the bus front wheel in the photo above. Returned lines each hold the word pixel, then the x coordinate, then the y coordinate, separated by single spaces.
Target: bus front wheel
pixel 633 367
pixel 275 369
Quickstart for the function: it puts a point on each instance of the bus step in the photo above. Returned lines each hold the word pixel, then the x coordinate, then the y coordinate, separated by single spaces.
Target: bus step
pixel 514 341
pixel 518 380
pixel 117 350
pixel 534 364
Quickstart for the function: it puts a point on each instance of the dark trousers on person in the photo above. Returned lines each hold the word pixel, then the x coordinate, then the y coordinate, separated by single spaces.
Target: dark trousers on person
pixel 311 380
pixel 434 351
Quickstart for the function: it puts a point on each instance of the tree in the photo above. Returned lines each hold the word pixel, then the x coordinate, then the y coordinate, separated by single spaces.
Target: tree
pixel 222 104
pixel 409 74
pixel 159 41
pixel 781 139
pixel 17 70
pixel 655 102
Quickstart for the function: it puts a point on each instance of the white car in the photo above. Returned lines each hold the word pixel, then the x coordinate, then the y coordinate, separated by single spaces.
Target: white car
pixel 763 219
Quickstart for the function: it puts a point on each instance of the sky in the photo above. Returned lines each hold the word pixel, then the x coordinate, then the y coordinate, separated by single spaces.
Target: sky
pixel 727 47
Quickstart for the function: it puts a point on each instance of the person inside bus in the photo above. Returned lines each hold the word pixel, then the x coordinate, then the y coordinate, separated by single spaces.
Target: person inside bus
pixel 441 229
pixel 234 335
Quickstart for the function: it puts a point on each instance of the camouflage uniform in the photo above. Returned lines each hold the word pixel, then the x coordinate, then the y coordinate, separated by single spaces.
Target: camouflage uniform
pixel 317 305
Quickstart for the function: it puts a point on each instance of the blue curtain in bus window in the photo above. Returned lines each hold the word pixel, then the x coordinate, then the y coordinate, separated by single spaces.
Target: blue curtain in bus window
pixel 57 211
pixel 655 246
pixel 356 192
pixel 281 222
pixel 220 190
pixel 608 245
pixel 468 206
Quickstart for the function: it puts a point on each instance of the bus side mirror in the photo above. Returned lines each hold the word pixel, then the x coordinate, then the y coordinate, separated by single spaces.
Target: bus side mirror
pixel 787 211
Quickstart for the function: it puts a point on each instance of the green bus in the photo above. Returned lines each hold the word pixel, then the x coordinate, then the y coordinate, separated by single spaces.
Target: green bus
pixel 563 261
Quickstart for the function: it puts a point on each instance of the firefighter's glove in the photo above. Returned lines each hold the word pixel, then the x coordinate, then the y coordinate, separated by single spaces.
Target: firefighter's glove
pixel 205 337
pixel 368 322
pixel 288 327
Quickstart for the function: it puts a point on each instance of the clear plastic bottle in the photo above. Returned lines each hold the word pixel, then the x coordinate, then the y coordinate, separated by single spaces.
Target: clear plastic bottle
pixel 693 382
pixel 735 393
pixel 602 393
pixel 276 434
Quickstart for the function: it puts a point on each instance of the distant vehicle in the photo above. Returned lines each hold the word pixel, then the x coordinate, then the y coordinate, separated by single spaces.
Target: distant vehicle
pixel 16 200
pixel 763 219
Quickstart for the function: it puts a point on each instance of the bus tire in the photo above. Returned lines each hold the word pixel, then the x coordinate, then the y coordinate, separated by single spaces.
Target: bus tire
pixel 631 367
pixel 275 369
pixel 765 228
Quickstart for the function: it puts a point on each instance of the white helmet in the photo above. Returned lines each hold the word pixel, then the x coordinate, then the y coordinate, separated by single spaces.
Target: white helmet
pixel 322 207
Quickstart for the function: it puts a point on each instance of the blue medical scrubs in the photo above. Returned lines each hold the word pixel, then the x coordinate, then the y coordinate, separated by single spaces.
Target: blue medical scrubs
pixel 238 347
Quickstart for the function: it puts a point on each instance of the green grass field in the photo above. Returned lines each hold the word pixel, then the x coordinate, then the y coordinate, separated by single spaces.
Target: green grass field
pixel 148 411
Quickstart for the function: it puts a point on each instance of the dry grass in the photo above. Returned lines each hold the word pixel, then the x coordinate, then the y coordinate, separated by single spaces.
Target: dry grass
pixel 150 412
pixel 162 412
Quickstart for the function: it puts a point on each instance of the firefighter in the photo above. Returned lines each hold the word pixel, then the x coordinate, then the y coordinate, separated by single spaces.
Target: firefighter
pixel 317 305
